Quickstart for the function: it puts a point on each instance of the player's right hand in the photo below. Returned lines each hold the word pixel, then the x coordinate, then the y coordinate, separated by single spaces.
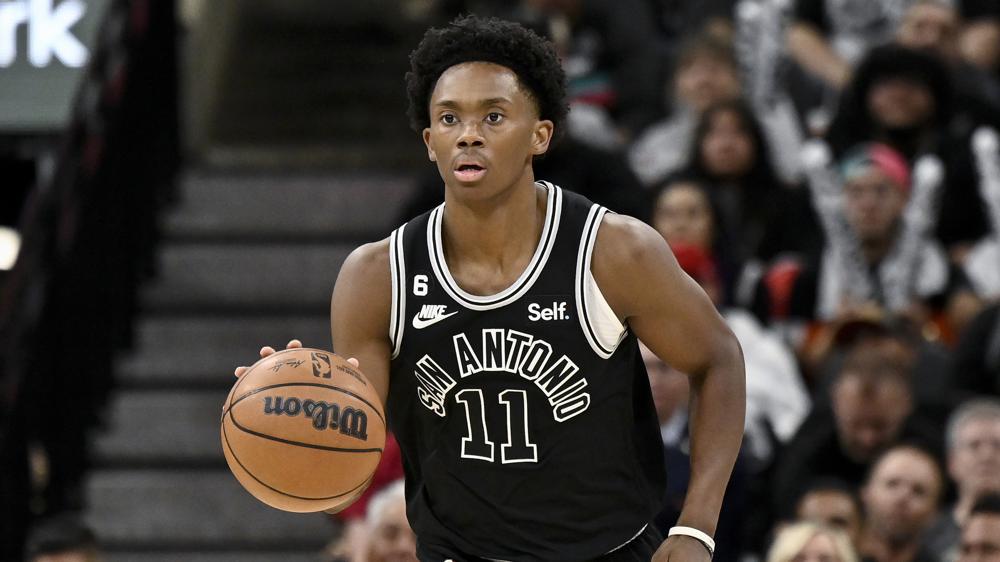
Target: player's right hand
pixel 264 352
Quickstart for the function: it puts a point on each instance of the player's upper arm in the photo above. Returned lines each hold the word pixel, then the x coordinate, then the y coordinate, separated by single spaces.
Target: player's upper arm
pixel 359 312
pixel 667 310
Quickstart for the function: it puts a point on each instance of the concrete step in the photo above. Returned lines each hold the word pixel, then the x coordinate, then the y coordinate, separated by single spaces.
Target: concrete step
pixel 155 428
pixel 187 509
pixel 201 352
pixel 289 206
pixel 248 277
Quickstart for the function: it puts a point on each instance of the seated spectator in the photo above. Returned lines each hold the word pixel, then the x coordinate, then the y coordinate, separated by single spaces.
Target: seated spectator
pixel 901 499
pixel 981 532
pixel 905 99
pixel 976 368
pixel 973 446
pixel 876 193
pixel 389 537
pixel 685 214
pixel 871 409
pixel 62 538
pixel 980 39
pixel 731 156
pixel 811 542
pixel 834 504
pixel 935 26
pixel 707 74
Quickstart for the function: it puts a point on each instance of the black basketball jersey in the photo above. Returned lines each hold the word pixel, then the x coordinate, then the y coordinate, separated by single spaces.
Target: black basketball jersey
pixel 525 418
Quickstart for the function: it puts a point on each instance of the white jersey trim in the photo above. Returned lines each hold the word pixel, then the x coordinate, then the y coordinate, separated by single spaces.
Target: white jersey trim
pixel 435 249
pixel 601 326
pixel 397 269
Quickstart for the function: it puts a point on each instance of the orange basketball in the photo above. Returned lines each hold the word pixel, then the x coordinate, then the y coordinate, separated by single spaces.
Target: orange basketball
pixel 303 431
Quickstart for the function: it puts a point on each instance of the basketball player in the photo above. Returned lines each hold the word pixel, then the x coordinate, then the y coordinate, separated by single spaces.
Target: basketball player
pixel 501 328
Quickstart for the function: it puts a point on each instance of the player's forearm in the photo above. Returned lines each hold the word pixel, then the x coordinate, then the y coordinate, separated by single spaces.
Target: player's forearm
pixel 810 49
pixel 718 404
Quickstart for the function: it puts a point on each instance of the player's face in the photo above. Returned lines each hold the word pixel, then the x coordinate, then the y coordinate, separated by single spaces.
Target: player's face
pixel 974 460
pixel 484 130
pixel 981 539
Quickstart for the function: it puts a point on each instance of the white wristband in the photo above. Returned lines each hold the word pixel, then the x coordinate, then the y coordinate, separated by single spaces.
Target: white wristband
pixel 694 534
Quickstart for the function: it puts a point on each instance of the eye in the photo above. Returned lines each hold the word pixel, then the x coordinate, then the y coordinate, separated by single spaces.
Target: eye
pixel 449 119
pixel 494 117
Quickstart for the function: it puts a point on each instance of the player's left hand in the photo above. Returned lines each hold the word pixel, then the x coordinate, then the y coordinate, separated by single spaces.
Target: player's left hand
pixel 680 548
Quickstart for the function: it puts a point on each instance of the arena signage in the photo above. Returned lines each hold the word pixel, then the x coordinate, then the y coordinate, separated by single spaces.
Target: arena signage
pixel 44 46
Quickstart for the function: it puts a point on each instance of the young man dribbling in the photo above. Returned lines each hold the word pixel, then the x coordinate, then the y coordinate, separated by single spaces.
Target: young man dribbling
pixel 500 331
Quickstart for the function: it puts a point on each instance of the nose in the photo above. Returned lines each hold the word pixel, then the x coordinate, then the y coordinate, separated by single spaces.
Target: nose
pixel 471 136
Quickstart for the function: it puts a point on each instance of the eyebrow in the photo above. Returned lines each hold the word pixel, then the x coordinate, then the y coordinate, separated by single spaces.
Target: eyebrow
pixel 483 103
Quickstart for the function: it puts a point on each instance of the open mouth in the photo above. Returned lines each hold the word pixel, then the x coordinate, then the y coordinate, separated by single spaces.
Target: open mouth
pixel 469 172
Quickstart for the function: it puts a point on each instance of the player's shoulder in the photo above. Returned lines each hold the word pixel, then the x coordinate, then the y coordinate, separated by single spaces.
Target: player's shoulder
pixel 369 261
pixel 621 240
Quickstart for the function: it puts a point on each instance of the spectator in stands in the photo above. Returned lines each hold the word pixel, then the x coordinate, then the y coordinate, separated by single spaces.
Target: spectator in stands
pixel 389 536
pixel 706 74
pixel 973 444
pixel 835 504
pixel 685 214
pixel 901 499
pixel 981 532
pixel 828 38
pixel 62 538
pixel 904 99
pixel 980 41
pixel 977 356
pixel 731 156
pixel 871 408
pixel 612 63
pixel 811 542
pixel 915 280
pixel 935 26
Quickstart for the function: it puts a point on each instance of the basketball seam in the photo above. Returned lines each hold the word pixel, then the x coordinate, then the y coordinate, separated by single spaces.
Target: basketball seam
pixel 269 487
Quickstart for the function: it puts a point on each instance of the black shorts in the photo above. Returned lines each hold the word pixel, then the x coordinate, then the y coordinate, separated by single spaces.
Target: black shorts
pixel 639 549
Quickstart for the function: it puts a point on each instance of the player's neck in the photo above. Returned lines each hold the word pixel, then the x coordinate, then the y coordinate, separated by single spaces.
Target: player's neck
pixel 501 234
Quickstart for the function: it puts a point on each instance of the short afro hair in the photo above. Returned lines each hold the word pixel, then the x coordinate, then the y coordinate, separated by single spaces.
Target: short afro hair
pixel 475 39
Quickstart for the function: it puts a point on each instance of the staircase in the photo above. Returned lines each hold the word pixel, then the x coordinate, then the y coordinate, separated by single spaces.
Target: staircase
pixel 249 260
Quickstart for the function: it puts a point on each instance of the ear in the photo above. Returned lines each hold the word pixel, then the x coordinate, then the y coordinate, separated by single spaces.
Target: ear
pixel 427 142
pixel 542 136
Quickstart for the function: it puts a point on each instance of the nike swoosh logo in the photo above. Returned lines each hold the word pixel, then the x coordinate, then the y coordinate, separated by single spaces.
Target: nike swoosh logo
pixel 420 323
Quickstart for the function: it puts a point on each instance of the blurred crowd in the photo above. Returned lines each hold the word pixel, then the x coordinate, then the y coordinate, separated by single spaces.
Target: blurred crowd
pixel 829 172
